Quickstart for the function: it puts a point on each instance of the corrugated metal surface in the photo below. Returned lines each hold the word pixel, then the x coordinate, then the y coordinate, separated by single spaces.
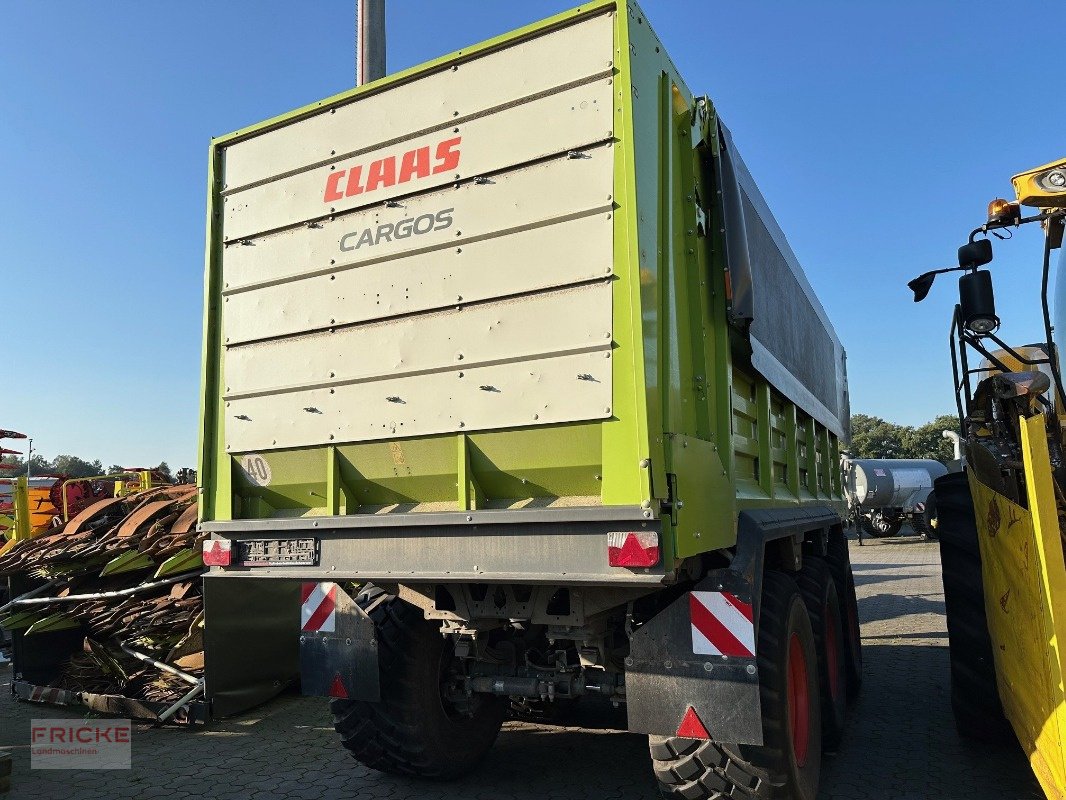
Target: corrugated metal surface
pixel 479 367
pixel 548 224
pixel 563 321
pixel 430 259
pixel 506 137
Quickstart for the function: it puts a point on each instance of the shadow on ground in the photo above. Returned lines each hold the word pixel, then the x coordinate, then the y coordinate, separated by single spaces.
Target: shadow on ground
pixel 873 608
pixel 901 742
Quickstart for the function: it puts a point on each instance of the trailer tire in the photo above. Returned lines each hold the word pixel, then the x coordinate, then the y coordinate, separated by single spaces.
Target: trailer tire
pixel 789 761
pixel 412 731
pixel 975 700
pixel 839 560
pixel 818 588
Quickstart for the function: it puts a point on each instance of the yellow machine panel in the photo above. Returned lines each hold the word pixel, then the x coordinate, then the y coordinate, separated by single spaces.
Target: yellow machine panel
pixel 1022 563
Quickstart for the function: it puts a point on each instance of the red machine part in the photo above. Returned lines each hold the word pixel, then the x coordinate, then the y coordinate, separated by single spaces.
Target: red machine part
pixel 80 494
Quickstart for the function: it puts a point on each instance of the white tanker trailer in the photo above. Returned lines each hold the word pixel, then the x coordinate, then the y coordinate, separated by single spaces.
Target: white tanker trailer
pixel 883 493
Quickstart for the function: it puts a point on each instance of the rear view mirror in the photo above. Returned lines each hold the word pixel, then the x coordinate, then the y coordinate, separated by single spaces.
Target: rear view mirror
pixel 921 286
pixel 975 254
pixel 971 256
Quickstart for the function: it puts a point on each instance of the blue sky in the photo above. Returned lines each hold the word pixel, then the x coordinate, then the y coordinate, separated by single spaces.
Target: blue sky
pixel 877 133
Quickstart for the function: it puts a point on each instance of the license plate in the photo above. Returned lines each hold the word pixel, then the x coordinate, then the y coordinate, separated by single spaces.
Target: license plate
pixel 277 552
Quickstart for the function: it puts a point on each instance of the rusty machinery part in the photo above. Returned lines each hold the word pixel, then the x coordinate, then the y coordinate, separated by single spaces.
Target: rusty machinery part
pixel 105 571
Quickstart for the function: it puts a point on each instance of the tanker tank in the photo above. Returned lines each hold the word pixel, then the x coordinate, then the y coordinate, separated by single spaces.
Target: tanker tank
pixel 886 492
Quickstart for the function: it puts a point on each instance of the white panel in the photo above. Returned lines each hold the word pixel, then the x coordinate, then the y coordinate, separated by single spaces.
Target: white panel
pixel 561 389
pixel 531 67
pixel 565 121
pixel 511 330
pixel 559 188
pixel 458 305
pixel 539 258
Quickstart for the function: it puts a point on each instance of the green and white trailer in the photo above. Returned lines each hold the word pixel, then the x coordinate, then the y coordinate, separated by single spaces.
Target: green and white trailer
pixel 514 392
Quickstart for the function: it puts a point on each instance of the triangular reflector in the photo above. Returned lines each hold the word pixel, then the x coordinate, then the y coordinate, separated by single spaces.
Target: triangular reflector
pixel 336 689
pixel 691 727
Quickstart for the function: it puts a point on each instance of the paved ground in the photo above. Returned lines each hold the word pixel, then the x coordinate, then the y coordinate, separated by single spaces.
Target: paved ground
pixel 901 743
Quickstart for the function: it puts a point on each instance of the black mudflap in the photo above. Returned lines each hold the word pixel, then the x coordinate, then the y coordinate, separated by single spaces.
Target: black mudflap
pixel 338 645
pixel 692 670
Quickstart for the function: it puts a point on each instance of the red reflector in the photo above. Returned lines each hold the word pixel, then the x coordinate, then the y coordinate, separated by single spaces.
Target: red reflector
pixel 336 689
pixel 691 727
pixel 217 552
pixel 633 549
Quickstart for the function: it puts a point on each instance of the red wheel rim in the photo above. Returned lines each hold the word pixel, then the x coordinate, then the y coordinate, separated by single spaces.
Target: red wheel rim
pixel 799 703
pixel 832 650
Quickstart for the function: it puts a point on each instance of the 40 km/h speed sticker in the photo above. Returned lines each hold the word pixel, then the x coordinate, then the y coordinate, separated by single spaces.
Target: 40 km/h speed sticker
pixel 257 469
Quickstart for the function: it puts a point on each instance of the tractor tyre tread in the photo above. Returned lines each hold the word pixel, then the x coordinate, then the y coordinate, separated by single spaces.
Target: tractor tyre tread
pixel 408 733
pixel 818 587
pixel 975 702
pixel 698 769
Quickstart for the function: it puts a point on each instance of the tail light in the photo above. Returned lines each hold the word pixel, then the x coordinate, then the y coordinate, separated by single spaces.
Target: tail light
pixel 632 548
pixel 217 552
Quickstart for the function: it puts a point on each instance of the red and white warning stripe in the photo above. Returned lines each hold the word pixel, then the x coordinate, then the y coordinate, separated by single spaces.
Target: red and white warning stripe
pixel 318 607
pixel 721 624
pixel 50 694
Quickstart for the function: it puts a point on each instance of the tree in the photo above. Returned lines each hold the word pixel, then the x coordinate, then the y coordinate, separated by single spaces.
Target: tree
pixel 873 437
pixel 71 466
pixel 38 465
pixel 927 441
pixel 76 467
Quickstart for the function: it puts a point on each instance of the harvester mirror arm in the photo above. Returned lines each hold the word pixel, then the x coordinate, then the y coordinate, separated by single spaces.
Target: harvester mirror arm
pixel 972 255
pixel 1012 223
pixel 924 282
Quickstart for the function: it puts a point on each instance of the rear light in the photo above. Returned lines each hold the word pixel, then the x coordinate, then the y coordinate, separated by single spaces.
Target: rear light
pixel 217 552
pixel 633 548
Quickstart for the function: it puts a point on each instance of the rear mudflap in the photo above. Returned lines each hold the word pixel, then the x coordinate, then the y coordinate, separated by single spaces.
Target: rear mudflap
pixel 692 669
pixel 338 645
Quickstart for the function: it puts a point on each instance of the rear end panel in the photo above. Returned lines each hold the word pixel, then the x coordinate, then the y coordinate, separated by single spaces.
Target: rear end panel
pixel 418 292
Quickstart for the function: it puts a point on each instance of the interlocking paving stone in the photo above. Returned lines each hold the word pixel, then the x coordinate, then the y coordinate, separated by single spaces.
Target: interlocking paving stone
pixel 900 743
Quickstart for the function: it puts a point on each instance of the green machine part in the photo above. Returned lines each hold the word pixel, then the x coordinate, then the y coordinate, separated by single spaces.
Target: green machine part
pixel 692 428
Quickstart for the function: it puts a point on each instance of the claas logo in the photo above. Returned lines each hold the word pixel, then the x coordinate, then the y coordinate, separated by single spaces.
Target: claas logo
pixel 392 170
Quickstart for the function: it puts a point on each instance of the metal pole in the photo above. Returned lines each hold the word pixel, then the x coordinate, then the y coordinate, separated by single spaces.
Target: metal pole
pixel 29 459
pixel 25 600
pixel 185 676
pixel 956 443
pixel 369 41
pixel 184 701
